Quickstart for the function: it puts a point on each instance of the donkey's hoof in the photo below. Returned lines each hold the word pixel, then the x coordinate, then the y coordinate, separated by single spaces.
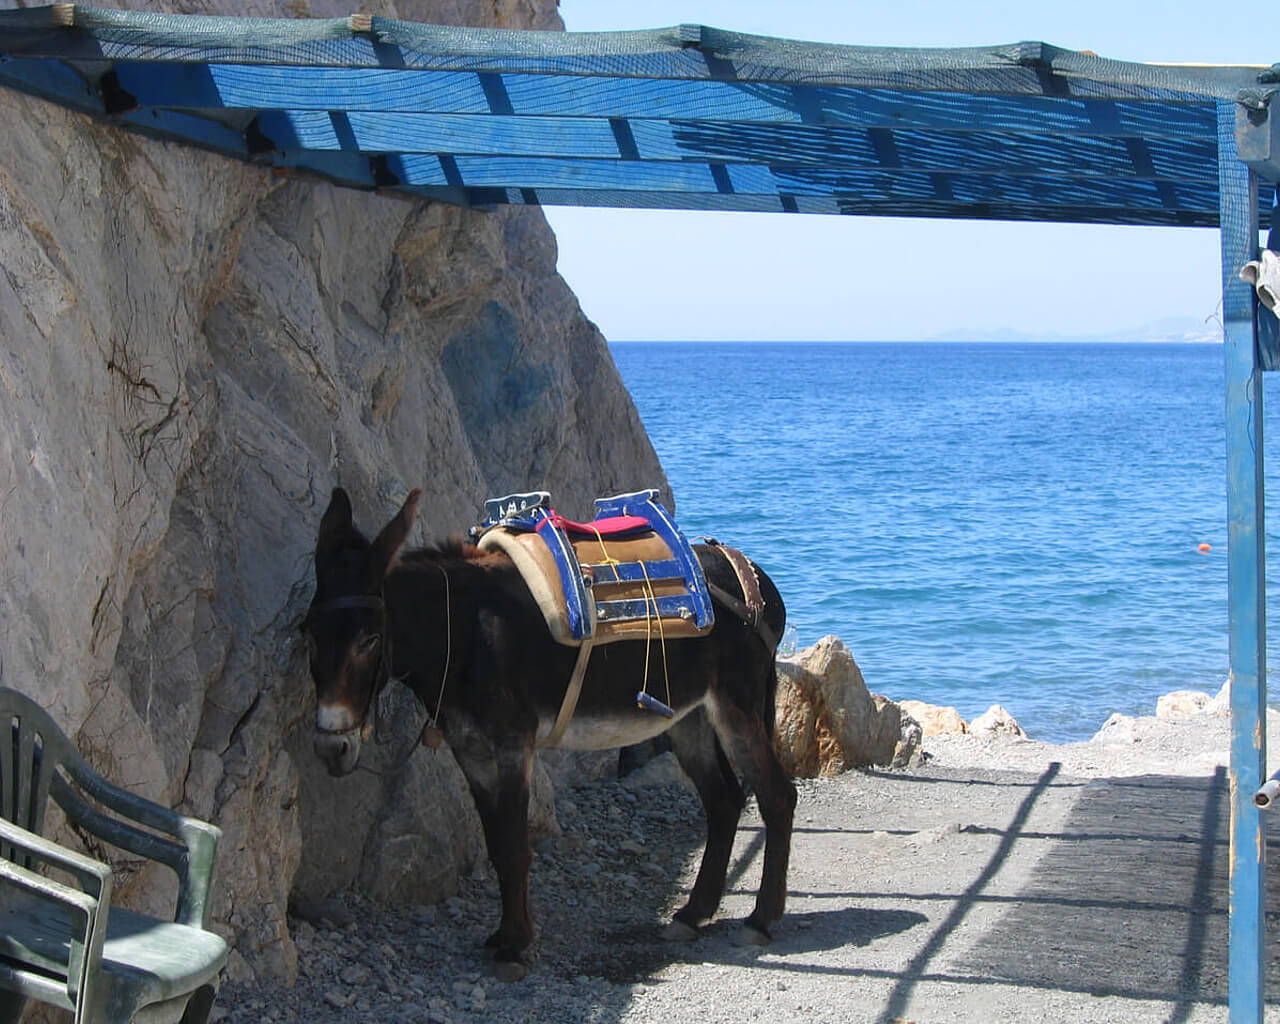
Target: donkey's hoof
pixel 678 931
pixel 749 935
pixel 508 971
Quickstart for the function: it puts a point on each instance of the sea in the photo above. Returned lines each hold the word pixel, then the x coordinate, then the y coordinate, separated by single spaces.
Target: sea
pixel 979 523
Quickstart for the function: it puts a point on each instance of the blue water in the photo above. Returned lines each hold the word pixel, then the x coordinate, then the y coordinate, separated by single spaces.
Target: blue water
pixel 979 523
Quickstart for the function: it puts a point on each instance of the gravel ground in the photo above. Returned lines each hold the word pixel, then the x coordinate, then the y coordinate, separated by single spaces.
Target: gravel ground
pixel 916 896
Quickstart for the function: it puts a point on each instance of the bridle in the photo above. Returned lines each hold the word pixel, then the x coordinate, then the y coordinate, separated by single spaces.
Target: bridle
pixel 370 602
pixel 376 602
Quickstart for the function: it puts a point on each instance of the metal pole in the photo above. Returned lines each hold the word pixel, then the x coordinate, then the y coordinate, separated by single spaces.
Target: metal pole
pixel 1245 577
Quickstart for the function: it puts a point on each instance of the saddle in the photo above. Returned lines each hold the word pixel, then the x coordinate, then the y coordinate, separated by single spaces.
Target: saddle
pixel 628 574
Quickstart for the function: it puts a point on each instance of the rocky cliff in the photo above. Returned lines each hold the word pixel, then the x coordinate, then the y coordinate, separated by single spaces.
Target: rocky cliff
pixel 192 354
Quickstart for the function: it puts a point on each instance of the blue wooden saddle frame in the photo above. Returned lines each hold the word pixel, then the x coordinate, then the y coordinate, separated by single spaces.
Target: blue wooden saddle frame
pixel 532 512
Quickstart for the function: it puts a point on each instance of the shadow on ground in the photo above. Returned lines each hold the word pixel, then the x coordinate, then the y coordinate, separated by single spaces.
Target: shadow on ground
pixel 1120 891
pixel 1130 900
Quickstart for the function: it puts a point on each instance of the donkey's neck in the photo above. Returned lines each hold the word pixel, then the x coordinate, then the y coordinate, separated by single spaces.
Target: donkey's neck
pixel 431 597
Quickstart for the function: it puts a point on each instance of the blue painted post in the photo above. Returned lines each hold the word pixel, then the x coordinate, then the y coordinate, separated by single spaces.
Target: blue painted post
pixel 1245 577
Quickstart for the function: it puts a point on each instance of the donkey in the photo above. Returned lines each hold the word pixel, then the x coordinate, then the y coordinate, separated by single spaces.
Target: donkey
pixel 459 627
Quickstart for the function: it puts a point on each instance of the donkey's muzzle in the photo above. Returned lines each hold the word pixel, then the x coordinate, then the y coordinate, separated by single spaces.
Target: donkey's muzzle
pixel 338 750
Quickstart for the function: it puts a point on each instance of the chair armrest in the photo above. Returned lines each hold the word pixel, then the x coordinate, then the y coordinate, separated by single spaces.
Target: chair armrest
pixel 93 876
pixel 196 880
pixel 148 829
pixel 89 904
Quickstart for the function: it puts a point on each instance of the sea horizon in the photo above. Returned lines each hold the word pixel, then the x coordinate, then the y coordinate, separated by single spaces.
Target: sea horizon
pixel 979 522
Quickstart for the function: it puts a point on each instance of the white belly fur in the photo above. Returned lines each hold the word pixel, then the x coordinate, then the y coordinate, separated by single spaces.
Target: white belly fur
pixel 605 732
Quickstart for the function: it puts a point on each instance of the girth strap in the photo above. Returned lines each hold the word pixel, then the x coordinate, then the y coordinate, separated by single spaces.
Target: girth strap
pixel 752 610
pixel 571 695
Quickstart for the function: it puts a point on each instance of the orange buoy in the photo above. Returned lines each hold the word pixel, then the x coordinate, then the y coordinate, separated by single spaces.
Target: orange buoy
pixel 1203 548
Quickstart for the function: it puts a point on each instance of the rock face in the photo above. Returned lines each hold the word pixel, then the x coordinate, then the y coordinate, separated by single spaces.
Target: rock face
pixel 996 721
pixel 192 354
pixel 1184 702
pixel 935 720
pixel 827 720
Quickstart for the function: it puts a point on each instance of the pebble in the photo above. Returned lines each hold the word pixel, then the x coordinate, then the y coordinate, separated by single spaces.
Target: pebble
pixel 354 974
pixel 340 1000
pixel 598 925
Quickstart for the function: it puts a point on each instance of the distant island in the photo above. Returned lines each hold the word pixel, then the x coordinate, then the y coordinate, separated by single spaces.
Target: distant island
pixel 1167 329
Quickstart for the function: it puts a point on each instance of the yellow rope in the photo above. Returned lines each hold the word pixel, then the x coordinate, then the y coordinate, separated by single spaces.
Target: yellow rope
pixel 662 636
pixel 651 599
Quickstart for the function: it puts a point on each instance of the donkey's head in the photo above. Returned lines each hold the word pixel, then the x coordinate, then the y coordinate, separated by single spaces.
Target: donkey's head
pixel 346 626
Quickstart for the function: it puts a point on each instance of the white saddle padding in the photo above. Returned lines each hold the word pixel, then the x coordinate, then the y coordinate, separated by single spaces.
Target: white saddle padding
pixel 535 563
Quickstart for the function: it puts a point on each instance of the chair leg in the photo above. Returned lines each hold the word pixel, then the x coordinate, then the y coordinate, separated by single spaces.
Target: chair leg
pixel 199 1005
pixel 11 1005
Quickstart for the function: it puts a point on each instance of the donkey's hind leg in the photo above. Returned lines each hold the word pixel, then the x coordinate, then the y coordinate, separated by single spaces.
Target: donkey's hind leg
pixel 749 744
pixel 699 754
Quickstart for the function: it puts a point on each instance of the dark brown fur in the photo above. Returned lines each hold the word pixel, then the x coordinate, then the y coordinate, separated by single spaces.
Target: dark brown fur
pixel 379 611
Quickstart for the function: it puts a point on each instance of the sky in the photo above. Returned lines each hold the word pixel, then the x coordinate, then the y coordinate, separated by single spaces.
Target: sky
pixel 679 275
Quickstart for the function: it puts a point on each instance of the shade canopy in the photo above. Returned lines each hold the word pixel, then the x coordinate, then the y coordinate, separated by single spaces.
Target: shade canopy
pixel 680 118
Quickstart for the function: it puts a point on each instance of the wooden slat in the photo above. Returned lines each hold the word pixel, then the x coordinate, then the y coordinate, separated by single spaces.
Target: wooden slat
pixel 639 609
pixel 784 203
pixel 634 572
pixel 857 187
pixel 776 145
pixel 198 86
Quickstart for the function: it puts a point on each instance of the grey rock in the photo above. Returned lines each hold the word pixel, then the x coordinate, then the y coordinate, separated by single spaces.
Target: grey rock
pixel 663 770
pixel 193 352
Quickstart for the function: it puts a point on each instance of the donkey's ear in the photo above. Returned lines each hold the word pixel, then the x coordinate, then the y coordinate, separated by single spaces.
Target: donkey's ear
pixel 335 524
pixel 393 535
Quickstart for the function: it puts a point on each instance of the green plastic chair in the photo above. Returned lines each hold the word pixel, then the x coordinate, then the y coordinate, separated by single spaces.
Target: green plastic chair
pixel 61 941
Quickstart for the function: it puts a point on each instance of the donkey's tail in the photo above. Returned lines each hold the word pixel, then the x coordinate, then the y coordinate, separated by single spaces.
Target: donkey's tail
pixel 771 700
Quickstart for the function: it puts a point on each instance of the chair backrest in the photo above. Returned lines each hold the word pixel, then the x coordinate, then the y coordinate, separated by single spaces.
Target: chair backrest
pixel 32 748
pixel 38 763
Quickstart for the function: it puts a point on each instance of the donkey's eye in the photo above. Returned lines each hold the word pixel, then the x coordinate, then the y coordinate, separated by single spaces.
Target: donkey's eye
pixel 367 645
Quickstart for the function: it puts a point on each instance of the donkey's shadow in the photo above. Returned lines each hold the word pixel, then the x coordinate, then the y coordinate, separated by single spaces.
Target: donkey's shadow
pixel 637 953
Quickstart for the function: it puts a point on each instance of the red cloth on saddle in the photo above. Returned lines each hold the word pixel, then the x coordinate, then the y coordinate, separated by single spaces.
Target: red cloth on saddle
pixel 612 526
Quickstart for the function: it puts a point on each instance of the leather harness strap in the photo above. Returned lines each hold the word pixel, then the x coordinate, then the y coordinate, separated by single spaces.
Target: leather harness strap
pixel 571 695
pixel 750 611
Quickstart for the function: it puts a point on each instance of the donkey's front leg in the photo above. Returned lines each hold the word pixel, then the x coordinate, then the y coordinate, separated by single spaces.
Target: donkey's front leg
pixel 499 772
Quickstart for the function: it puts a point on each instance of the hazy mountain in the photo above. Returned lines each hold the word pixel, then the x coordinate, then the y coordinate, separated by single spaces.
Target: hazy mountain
pixel 1183 328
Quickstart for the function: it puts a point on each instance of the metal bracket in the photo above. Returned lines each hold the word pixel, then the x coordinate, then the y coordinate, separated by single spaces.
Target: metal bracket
pixel 1258 140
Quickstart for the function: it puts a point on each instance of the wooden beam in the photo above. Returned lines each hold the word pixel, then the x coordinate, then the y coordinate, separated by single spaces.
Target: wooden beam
pixel 1246 576
pixel 408 90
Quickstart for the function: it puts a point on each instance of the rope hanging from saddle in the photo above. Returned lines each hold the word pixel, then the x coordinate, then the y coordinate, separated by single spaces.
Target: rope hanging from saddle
pixel 603 581
pixel 651 613
pixel 432 734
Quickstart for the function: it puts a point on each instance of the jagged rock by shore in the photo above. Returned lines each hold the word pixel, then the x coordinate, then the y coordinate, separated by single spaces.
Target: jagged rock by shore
pixel 830 722
pixel 935 720
pixel 1186 736
pixel 827 719
pixel 996 720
